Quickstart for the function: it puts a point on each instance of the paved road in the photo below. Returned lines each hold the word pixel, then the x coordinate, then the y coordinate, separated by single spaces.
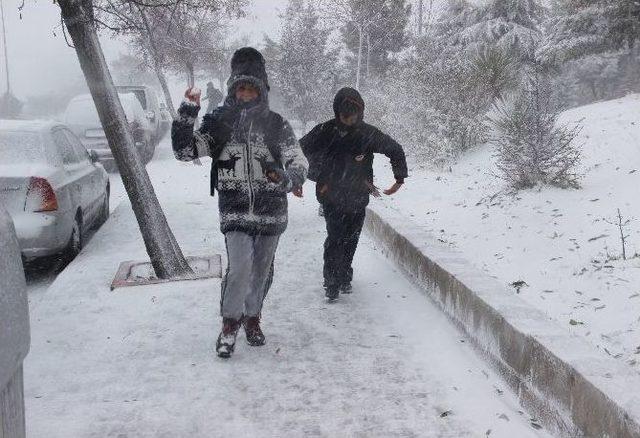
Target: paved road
pixel 382 362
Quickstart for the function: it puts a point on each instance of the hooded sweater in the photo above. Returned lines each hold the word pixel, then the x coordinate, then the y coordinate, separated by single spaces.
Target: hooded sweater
pixel 245 142
pixel 341 157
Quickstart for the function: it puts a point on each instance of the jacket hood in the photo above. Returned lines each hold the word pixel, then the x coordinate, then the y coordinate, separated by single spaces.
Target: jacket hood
pixel 248 65
pixel 349 97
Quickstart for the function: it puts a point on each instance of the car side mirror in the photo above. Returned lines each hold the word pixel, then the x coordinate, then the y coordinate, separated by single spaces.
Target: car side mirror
pixel 93 155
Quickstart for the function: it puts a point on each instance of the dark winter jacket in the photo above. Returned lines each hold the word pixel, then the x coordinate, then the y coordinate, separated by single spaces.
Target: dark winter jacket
pixel 245 141
pixel 342 157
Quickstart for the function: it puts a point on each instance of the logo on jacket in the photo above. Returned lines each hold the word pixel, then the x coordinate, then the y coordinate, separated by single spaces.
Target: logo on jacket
pixel 360 157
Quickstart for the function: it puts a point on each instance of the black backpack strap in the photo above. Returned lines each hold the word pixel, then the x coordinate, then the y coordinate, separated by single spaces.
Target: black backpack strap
pixel 275 125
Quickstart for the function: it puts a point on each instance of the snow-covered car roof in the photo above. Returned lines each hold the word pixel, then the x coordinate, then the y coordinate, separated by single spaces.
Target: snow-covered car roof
pixel 28 125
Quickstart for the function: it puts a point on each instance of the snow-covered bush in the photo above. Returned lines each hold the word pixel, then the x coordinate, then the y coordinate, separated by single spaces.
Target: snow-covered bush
pixel 432 105
pixel 531 148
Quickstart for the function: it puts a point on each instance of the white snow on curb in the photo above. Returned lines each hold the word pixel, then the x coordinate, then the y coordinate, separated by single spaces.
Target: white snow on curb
pixel 559 242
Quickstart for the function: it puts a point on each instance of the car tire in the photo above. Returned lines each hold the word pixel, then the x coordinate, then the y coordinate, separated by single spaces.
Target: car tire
pixel 76 241
pixel 104 210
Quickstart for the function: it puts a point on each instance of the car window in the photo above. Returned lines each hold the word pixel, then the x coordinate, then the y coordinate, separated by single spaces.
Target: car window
pixel 17 147
pixel 79 149
pixel 65 148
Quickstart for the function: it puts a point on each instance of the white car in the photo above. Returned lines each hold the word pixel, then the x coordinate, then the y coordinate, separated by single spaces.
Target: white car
pixel 82 118
pixel 14 330
pixel 52 187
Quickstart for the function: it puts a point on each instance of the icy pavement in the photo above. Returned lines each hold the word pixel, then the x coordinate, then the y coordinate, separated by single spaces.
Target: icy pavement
pixel 139 362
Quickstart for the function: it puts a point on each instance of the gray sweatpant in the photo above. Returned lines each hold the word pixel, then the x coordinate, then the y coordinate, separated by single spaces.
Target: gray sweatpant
pixel 249 273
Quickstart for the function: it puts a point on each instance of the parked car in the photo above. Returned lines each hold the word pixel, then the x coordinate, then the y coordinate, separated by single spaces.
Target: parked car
pixel 82 118
pixel 53 188
pixel 150 104
pixel 14 331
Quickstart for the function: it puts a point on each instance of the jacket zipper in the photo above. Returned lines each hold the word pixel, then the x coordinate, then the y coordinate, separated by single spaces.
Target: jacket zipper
pixel 249 155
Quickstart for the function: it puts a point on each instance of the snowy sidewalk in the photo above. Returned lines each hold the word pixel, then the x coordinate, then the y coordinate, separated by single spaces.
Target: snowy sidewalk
pixel 139 362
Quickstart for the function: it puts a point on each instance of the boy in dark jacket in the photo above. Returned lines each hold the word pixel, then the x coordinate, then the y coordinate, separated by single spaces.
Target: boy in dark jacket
pixel 340 154
pixel 256 162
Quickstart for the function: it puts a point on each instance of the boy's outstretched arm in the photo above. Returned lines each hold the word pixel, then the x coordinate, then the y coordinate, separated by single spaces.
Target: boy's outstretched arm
pixel 384 144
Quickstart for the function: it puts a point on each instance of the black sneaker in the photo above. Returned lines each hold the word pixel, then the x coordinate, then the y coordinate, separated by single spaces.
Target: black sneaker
pixel 332 293
pixel 252 329
pixel 346 288
pixel 226 342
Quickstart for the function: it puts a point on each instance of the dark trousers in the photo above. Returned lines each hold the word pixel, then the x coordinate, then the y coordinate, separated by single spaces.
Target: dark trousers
pixel 343 234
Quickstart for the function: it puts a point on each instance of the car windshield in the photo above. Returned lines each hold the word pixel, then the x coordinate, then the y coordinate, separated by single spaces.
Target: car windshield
pixel 139 95
pixel 83 112
pixel 20 147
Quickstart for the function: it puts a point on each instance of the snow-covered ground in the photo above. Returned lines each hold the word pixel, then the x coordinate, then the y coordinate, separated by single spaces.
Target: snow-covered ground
pixel 139 362
pixel 559 242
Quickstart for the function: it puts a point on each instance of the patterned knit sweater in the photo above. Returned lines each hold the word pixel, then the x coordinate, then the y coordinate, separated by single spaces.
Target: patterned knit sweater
pixel 237 139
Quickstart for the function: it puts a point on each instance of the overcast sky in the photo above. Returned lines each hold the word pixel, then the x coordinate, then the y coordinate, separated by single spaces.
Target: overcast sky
pixel 39 57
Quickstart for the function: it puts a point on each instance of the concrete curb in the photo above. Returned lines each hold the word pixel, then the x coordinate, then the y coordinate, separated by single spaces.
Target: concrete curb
pixel 573 389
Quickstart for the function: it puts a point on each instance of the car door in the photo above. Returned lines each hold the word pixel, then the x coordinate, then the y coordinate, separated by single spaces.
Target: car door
pixel 77 177
pixel 95 182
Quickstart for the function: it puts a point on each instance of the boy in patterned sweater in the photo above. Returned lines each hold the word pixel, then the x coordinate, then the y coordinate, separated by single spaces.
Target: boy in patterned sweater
pixel 256 162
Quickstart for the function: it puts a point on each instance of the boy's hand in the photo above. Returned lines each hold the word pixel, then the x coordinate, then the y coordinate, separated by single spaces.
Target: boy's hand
pixel 373 190
pixel 394 188
pixel 193 95
pixel 274 176
pixel 297 192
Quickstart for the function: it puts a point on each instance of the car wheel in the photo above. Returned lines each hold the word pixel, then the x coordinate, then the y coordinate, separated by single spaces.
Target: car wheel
pixel 104 211
pixel 76 240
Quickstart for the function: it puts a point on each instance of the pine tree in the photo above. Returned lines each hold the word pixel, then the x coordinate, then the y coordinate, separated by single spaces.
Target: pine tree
pixel 373 30
pixel 304 70
pixel 578 28
pixel 512 26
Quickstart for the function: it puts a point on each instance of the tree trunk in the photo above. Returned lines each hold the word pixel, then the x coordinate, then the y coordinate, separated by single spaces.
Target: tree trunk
pixel 165 89
pixel 368 55
pixel 157 67
pixel 361 40
pixel 191 77
pixel 420 16
pixel 161 245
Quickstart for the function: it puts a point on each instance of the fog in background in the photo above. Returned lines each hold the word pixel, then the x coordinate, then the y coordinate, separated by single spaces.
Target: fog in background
pixel 41 63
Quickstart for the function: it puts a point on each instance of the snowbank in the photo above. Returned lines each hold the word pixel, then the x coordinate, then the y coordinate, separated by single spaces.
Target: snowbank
pixel 557 248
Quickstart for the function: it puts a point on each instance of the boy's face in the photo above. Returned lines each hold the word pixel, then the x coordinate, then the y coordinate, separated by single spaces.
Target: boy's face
pixel 348 119
pixel 247 93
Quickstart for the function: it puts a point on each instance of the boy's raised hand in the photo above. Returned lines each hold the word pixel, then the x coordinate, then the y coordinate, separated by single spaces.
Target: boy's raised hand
pixel 193 95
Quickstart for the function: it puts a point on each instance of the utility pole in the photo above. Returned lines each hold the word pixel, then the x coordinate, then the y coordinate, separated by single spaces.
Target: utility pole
pixel 4 42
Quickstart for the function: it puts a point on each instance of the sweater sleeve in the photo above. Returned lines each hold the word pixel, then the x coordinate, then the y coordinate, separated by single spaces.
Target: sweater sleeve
pixel 384 144
pixel 187 144
pixel 293 160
